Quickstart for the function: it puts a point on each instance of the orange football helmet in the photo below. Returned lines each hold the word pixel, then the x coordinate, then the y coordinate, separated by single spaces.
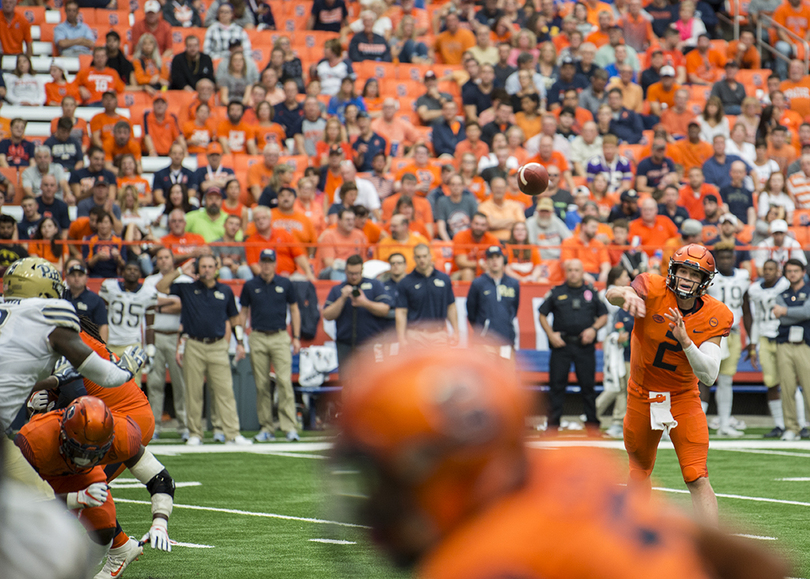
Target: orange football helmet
pixel 432 435
pixel 695 257
pixel 87 432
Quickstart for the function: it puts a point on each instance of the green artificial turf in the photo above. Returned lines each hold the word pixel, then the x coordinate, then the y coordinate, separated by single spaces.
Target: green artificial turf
pixel 247 547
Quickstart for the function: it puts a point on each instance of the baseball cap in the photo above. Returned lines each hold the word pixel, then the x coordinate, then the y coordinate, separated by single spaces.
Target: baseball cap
pixel 234 42
pixel 667 71
pixel 779 226
pixel 567 60
pixel 214 149
pixel 77 267
pixel 712 198
pixel 362 115
pixel 160 97
pixel 691 227
pixel 267 255
pixel 151 6
pixel 697 124
pixel 216 190
pixel 430 75
pixel 100 180
pixel 731 218
pixel 732 64
pixel 335 150
pixel 545 204
pixel 494 250
pixel 629 195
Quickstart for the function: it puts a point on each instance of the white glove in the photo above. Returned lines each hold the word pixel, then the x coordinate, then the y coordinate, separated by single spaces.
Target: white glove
pixel 158 535
pixel 132 359
pixel 93 496
pixel 150 358
pixel 40 401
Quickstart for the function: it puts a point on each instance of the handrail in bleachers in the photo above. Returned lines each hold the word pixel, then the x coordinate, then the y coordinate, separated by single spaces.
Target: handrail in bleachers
pixel 768 22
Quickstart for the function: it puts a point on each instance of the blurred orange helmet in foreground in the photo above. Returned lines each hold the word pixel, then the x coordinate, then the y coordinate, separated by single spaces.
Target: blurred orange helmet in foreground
pixel 433 436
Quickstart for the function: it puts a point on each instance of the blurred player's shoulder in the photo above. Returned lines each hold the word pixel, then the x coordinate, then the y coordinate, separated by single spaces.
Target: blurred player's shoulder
pixel 571 519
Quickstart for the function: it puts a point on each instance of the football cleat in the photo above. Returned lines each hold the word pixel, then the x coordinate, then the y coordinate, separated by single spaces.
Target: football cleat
pixel 775 433
pixel 264 436
pixel 194 441
pixel 119 559
pixel 729 432
pixel 219 437
pixel 239 440
pixel 292 436
pixel 615 431
pixel 86 432
pixel 804 433
pixel 790 435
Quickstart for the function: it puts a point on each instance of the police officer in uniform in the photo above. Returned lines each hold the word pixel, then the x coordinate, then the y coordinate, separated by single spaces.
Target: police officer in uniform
pixel 424 302
pixel 578 315
pixel 493 299
pixel 87 302
pixel 792 309
pixel 359 306
pixel 206 307
pixel 267 297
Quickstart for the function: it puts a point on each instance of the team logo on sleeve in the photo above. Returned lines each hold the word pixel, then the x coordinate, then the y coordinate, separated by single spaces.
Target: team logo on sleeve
pixel 713 322
pixel 658 319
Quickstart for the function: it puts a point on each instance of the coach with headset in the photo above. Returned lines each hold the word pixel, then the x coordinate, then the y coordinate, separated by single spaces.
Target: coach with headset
pixel 206 307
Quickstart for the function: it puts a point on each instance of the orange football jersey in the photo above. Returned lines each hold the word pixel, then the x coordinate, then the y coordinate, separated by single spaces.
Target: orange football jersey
pixel 571 520
pixel 657 361
pixel 39 442
pixel 121 399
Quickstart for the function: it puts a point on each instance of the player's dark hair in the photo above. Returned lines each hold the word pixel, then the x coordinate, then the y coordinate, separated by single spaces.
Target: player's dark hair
pixel 614 274
pixel 354 260
pixel 773 261
pixel 7 219
pixel 90 328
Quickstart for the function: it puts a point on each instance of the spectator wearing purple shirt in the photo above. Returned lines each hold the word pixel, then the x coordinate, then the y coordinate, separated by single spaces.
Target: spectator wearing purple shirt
pixel 617 167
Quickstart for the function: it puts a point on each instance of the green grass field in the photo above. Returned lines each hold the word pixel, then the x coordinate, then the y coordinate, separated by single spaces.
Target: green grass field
pixel 260 513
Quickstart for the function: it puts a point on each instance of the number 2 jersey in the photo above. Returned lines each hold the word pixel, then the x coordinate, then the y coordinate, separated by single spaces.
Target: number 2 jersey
pixel 26 355
pixel 730 290
pixel 657 361
pixel 125 311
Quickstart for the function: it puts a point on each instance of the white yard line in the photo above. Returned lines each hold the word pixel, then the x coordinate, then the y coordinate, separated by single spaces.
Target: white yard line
pixel 774 452
pixel 191 545
pixel 739 497
pixel 794 479
pixel 757 537
pixel 333 541
pixel 248 513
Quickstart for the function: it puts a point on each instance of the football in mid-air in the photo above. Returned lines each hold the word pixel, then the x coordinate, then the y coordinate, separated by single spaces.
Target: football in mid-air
pixel 532 178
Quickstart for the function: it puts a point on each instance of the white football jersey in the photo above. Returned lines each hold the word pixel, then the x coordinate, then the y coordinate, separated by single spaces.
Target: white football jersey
pixel 762 300
pixel 125 311
pixel 26 355
pixel 165 322
pixel 730 290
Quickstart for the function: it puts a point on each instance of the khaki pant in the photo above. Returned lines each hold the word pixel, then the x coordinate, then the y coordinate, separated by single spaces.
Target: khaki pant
pixel 619 398
pixel 118 350
pixel 728 367
pixel 17 468
pixel 427 338
pixel 794 368
pixel 165 349
pixel 211 361
pixel 767 360
pixel 267 349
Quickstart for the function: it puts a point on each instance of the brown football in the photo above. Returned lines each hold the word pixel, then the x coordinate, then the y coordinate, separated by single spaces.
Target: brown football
pixel 532 178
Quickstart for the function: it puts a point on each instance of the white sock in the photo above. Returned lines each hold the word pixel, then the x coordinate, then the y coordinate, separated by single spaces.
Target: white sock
pixel 776 412
pixel 800 417
pixel 724 396
pixel 704 406
pixel 97 553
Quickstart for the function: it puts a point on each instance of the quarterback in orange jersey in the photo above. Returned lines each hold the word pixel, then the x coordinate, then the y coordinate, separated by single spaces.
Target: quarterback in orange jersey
pixel 435 438
pixel 69 448
pixel 675 343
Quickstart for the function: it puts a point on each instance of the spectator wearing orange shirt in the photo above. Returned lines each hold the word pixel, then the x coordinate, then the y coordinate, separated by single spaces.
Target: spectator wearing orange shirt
pixel 422 208
pixel 15 30
pixel 289 254
pixel 403 240
pixel 400 134
pixel 691 151
pixel 547 156
pixel 469 247
pixel 309 204
pixel 421 20
pixel 150 72
pixel 694 192
pixel 795 16
pixel 744 51
pixel 638 32
pixel 427 176
pixel 586 248
pixel 295 222
pixel 797 88
pixel 153 24
pixel 472 144
pixel 337 244
pixel 601 36
pixel 122 144
pixel 502 213
pixel 652 229
pixel 102 124
pixel 661 94
pixel 704 64
pixel 79 130
pixel 266 130
pixel 676 119
pixel 200 131
pixel 94 81
pixel 259 174
pixel 57 90
pixel 782 115
pixel 595 9
pixel 161 130
pixel 184 245
pixel 779 150
pixel 451 44
pixel 235 136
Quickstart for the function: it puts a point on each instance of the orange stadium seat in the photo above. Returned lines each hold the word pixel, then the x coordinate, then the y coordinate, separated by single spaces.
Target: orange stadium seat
pixel 179 37
pixel 801 217
pixel 720 44
pixel 696 107
pixel 132 99
pixel 112 17
pixel 46 33
pixel 291 23
pixel 755 77
pixel 32 14
pixel 401 88
pixel 13 175
pixel 297 162
pixel 442 255
pixel 313 38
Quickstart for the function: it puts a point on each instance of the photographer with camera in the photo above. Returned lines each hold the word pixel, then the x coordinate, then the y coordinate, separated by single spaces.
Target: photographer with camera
pixel 578 316
pixel 359 307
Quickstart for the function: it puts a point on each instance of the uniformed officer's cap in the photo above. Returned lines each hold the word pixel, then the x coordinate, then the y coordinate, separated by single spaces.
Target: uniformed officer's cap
pixel 268 255
pixel 494 250
pixel 77 267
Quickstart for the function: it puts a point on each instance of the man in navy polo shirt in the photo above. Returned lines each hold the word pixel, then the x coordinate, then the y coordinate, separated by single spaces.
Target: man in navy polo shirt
pixel 174 173
pixel 424 302
pixel 359 306
pixel 50 206
pixel 266 297
pixel 717 168
pixel 86 302
pixel 367 145
pixel 206 305
pixel 289 112
pixel 493 299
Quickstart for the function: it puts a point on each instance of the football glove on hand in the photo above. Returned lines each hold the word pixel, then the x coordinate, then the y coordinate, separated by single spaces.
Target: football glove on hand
pixel 131 360
pixel 150 358
pixel 158 535
pixel 40 401
pixel 65 373
pixel 93 496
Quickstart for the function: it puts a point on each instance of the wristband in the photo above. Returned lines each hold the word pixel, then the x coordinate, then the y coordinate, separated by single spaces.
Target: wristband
pixel 238 333
pixel 179 270
pixel 296 337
